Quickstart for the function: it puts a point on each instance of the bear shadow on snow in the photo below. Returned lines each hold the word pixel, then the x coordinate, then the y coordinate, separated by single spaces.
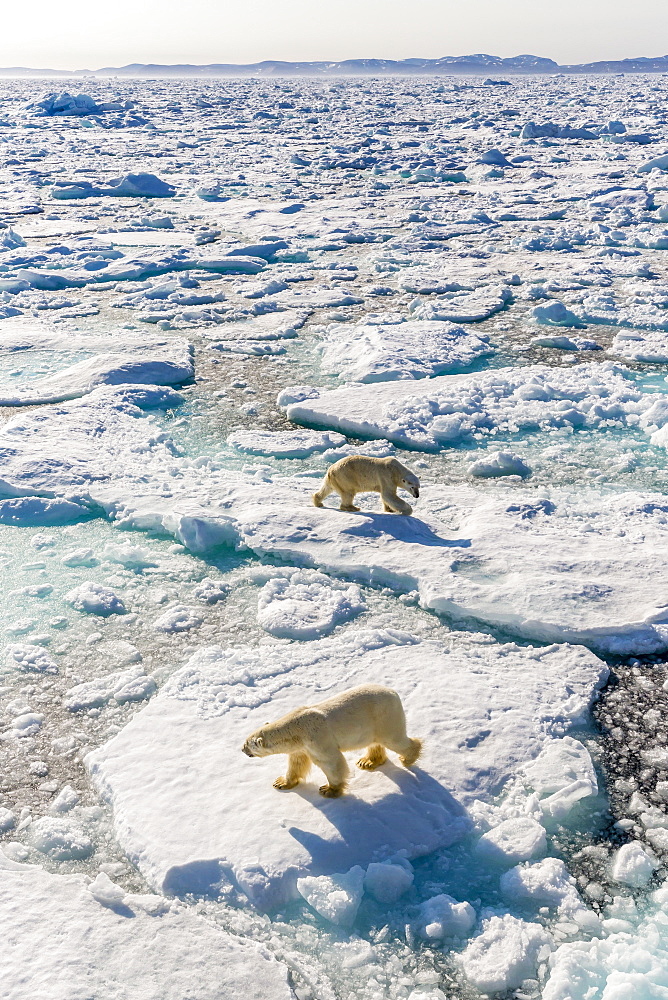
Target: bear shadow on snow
pixel 404 529
pixel 352 816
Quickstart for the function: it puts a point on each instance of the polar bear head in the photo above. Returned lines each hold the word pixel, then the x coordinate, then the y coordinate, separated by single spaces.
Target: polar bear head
pixel 283 736
pixel 255 745
pixel 407 480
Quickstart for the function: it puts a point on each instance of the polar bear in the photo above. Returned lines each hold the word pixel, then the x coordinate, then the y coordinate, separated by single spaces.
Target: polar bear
pixel 369 716
pixel 362 474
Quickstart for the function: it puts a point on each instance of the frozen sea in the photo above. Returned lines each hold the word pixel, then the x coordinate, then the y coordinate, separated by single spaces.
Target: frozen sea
pixel 209 292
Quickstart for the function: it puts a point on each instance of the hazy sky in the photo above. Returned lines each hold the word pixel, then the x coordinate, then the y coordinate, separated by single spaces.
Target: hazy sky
pixel 73 34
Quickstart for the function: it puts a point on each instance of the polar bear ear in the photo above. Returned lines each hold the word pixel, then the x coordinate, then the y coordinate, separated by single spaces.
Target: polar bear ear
pixel 259 741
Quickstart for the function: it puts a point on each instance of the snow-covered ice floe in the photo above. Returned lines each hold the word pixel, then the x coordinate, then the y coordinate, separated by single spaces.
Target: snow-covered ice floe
pixel 449 410
pixel 382 352
pixel 555 566
pixel 67 937
pixel 197 816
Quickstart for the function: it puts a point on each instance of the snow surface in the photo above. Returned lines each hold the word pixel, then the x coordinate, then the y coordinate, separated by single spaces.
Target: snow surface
pixel 67 939
pixel 478 727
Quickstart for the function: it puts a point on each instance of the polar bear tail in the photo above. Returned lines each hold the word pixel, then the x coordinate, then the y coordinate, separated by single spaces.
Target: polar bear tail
pixel 412 753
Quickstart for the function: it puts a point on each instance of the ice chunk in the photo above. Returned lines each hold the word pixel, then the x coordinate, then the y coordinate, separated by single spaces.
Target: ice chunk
pixel 285 444
pixel 306 605
pixel 658 163
pixel 60 839
pixel 499 463
pixel 132 556
pixel 443 917
pixel 387 882
pixel 334 897
pixel 178 619
pixel 544 882
pixel 105 891
pixel 123 686
pixel 633 865
pixel 512 840
pixel 566 343
pixel 211 591
pixel 151 955
pixel 562 774
pixel 65 800
pixel 104 369
pixel 7 819
pixel 556 314
pixel 26 724
pixel 30 658
pixel 94 599
pixel 505 952
pixel 39 511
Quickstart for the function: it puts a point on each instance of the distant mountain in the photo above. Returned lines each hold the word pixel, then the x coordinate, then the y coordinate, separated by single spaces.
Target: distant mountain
pixel 478 64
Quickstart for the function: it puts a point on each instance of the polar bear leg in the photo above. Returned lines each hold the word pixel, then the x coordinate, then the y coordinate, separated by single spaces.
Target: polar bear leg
pixel 322 493
pixel 409 750
pixel 374 757
pixel 393 503
pixel 299 765
pixel 347 500
pixel 336 771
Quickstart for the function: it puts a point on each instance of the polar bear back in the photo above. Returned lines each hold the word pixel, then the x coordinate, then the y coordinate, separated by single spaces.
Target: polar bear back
pixel 362 716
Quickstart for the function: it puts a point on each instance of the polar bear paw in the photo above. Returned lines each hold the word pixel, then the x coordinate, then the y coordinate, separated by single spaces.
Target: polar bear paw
pixel 284 785
pixel 332 791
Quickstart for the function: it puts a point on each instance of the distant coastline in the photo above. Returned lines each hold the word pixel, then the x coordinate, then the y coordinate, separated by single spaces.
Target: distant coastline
pixel 471 65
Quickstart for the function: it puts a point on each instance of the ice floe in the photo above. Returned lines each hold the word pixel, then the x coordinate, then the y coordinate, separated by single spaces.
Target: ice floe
pixel 495 710
pixel 151 954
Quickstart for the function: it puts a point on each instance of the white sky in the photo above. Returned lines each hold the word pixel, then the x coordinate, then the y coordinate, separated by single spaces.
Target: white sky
pixel 75 34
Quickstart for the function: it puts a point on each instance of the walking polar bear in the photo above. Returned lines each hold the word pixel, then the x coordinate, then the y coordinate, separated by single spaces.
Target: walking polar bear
pixel 363 474
pixel 369 716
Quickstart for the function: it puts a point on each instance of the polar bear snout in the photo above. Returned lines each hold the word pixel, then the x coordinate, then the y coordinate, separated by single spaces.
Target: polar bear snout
pixel 414 491
pixel 253 746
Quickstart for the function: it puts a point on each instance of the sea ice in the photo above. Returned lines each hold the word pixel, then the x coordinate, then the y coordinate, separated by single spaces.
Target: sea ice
pixel 306 605
pixel 334 897
pixel 505 953
pixel 412 350
pixel 443 917
pixel 101 939
pixel 633 865
pixel 495 711
pixel 94 599
pixel 285 444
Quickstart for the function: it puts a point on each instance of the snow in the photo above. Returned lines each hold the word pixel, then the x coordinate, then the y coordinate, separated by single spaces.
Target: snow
pixel 504 953
pixel 101 938
pixel 334 897
pixel 95 599
pixel 511 841
pixel 633 865
pixel 141 771
pixel 306 605
pixel 443 917
pixel 412 350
